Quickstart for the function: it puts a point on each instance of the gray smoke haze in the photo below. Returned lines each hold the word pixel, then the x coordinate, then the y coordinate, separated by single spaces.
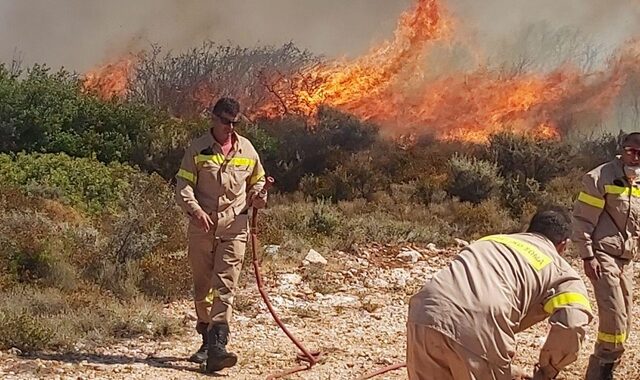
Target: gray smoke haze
pixel 604 24
pixel 80 34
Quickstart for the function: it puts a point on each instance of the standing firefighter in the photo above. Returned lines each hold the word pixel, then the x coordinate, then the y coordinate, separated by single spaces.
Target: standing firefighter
pixel 607 221
pixel 219 179
pixel 462 324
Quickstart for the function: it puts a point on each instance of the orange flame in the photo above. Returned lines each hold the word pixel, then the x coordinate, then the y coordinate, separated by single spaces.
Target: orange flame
pixel 111 80
pixel 350 85
pixel 387 86
pixel 468 107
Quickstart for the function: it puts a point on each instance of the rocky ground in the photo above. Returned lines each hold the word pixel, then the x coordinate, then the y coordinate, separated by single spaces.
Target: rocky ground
pixel 353 309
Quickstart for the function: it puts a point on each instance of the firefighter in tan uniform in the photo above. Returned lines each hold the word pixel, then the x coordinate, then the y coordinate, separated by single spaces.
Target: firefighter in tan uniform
pixel 220 178
pixel 462 323
pixel 606 226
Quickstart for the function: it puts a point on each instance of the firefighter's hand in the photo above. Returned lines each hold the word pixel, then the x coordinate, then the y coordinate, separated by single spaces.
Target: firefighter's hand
pixel 258 201
pixel 592 269
pixel 203 220
pixel 518 373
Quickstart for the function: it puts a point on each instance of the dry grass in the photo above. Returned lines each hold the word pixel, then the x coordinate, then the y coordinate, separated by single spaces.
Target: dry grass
pixel 36 319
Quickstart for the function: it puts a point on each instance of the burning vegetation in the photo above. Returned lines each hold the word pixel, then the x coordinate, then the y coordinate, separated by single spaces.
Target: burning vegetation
pixel 390 86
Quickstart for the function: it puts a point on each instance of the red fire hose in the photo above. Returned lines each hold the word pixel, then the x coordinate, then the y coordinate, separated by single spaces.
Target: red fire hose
pixel 309 357
pixel 383 370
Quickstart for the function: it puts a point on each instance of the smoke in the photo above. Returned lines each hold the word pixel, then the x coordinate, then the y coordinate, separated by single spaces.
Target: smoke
pixel 80 34
pixel 603 25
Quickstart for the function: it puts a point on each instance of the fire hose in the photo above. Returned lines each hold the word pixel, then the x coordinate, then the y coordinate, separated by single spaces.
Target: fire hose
pixel 310 358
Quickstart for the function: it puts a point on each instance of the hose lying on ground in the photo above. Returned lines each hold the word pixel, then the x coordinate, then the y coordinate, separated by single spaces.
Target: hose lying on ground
pixel 309 357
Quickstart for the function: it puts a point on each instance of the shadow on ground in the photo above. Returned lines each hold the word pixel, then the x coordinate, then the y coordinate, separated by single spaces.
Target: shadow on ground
pixel 169 362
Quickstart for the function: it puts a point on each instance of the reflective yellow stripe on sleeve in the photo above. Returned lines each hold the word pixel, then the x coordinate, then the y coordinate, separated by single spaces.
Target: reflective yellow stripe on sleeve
pixel 621 190
pixel 591 200
pixel 612 338
pixel 564 299
pixel 186 175
pixel 533 255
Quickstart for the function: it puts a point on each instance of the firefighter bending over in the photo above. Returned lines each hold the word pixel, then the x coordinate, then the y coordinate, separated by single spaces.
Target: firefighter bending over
pixel 462 323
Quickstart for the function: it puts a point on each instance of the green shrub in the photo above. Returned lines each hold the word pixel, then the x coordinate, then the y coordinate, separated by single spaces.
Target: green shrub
pixel 82 182
pixel 131 215
pixel 24 331
pixel 518 191
pixel 323 221
pixel 562 191
pixel 49 113
pixel 302 150
pixel 430 189
pixel 472 180
pixel 527 157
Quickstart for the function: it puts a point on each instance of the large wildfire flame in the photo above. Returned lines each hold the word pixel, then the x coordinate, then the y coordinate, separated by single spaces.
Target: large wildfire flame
pixel 386 87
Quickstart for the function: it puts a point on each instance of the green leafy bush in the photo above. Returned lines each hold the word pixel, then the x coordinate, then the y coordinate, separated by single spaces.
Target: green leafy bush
pixel 472 180
pixel 81 182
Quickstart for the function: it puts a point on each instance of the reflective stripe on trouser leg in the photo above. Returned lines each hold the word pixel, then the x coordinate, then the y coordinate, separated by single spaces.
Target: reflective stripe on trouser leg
pixel 200 255
pixel 228 259
pixel 614 297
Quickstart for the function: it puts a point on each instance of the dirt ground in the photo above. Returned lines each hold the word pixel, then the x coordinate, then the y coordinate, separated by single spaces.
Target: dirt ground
pixel 354 311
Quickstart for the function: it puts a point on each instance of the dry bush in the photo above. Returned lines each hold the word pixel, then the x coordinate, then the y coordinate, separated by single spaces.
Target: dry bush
pixel 46 318
pixel 475 221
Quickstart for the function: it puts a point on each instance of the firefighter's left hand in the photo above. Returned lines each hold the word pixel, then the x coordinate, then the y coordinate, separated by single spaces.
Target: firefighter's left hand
pixel 258 201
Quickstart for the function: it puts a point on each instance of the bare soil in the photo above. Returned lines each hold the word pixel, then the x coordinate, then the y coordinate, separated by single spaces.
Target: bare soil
pixel 358 324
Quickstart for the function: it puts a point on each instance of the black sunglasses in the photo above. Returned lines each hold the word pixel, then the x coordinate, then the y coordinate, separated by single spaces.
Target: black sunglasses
pixel 226 121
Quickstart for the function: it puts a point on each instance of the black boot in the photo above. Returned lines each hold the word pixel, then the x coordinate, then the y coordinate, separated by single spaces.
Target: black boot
pixel 607 371
pixel 598 370
pixel 217 357
pixel 201 355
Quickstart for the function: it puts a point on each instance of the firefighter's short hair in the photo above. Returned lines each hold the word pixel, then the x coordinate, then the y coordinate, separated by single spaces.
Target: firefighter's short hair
pixel 225 105
pixel 631 138
pixel 553 222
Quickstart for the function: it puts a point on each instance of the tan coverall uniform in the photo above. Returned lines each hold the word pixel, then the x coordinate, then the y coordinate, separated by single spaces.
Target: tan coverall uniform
pixel 606 221
pixel 221 186
pixel 462 323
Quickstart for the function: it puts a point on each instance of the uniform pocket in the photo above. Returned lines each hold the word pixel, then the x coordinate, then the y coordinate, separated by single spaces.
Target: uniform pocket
pixel 613 244
pixel 237 180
